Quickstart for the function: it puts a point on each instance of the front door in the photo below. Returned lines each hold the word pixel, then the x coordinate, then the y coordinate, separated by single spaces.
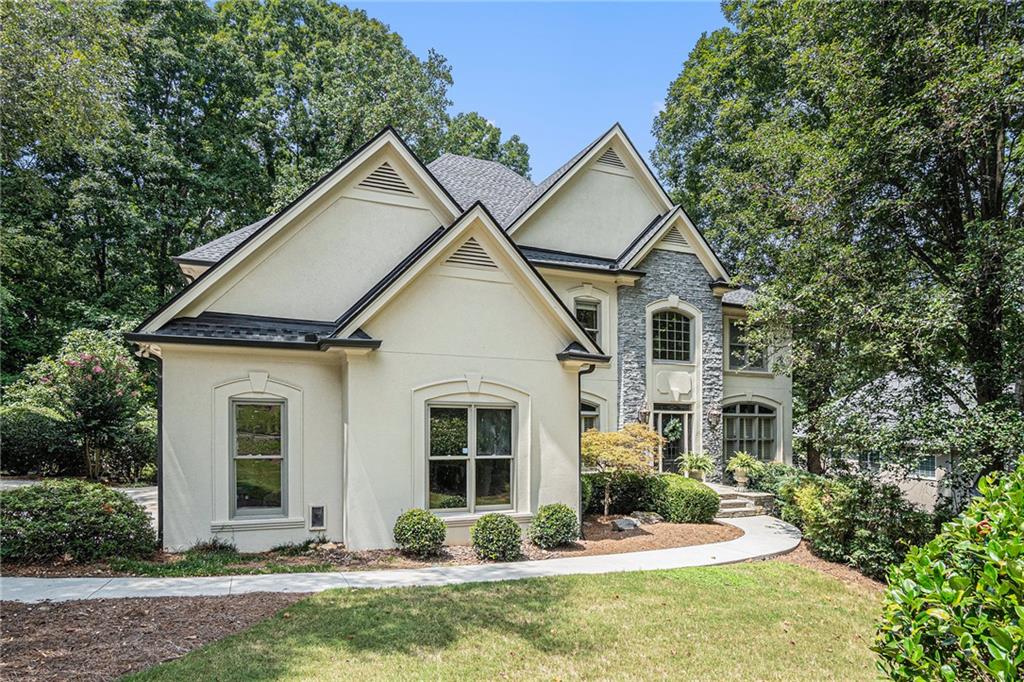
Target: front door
pixel 675 424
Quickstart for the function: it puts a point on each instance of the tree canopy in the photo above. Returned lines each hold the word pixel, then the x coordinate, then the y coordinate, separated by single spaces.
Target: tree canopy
pixel 136 130
pixel 860 163
pixel 473 135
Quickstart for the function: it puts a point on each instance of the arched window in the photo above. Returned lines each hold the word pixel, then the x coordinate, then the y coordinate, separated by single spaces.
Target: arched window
pixel 750 427
pixel 671 336
pixel 590 417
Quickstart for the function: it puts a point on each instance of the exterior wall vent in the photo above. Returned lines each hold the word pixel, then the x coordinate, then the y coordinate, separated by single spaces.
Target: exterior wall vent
pixel 674 239
pixel 385 179
pixel 317 517
pixel 471 253
pixel 610 158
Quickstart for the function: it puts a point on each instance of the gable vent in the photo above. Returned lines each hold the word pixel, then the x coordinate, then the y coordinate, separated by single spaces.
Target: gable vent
pixel 674 238
pixel 471 253
pixel 385 178
pixel 610 158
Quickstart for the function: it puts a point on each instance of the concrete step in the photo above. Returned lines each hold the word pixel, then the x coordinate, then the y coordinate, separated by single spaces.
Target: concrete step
pixel 736 504
pixel 739 512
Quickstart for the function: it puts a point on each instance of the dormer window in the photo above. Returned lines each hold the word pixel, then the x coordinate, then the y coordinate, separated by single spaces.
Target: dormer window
pixel 671 336
pixel 588 313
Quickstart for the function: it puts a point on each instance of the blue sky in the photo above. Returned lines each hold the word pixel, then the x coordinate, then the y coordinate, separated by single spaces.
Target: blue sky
pixel 557 74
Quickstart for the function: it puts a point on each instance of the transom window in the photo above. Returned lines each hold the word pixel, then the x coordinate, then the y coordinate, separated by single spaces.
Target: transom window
pixel 588 314
pixel 470 457
pixel 740 354
pixel 258 451
pixel 590 417
pixel 670 336
pixel 750 427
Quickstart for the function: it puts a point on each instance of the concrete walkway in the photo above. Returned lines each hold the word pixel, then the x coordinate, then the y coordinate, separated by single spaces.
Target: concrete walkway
pixel 764 536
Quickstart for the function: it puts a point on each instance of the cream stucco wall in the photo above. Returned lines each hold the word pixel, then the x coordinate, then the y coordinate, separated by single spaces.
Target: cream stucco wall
pixel 448 337
pixel 198 384
pixel 597 212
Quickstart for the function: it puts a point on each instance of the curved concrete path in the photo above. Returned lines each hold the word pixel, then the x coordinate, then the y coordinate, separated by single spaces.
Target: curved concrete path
pixel 764 536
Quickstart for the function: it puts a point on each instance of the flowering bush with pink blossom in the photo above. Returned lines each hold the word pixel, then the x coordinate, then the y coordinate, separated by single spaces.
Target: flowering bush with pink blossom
pixel 94 384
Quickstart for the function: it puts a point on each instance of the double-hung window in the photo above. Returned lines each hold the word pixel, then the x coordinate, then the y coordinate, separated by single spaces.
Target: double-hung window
pixel 258 453
pixel 741 356
pixel 470 452
pixel 670 336
pixel 590 417
pixel 589 317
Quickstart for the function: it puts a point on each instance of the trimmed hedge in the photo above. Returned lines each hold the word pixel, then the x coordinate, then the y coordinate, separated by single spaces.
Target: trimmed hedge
pixel 72 520
pixel 420 533
pixel 954 608
pixel 630 492
pixel 36 440
pixel 553 526
pixel 687 500
pixel 586 492
pixel 496 537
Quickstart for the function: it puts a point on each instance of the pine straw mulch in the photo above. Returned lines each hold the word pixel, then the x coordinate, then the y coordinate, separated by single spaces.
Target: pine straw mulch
pixel 801 556
pixel 103 639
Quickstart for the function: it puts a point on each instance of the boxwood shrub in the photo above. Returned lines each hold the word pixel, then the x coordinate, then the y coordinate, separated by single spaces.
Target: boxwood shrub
pixel 420 533
pixel 687 500
pixel 73 520
pixel 554 525
pixel 954 609
pixel 496 537
pixel 630 492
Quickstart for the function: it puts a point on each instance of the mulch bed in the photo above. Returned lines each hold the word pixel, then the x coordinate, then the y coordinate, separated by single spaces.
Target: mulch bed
pixel 600 539
pixel 801 556
pixel 103 639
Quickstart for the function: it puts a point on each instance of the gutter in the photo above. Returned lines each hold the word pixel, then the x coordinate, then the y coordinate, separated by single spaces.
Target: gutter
pixel 579 441
pixel 313 343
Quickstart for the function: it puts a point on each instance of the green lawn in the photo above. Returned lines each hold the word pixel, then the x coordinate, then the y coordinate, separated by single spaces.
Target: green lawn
pixel 764 621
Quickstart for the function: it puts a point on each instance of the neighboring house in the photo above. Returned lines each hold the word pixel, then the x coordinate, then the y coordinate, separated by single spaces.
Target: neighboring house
pixel 404 335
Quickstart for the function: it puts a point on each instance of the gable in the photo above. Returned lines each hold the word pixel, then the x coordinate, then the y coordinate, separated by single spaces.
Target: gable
pixel 674 232
pixel 462 276
pixel 674 240
pixel 598 205
pixel 321 252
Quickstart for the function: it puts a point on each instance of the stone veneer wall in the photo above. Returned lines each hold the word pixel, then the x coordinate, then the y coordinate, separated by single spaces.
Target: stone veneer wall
pixel 682 274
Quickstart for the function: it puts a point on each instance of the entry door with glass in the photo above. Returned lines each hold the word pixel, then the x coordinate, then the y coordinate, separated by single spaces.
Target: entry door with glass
pixel 675 424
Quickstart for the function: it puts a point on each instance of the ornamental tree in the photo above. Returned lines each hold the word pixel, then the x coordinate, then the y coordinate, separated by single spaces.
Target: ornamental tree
pixel 94 384
pixel 615 453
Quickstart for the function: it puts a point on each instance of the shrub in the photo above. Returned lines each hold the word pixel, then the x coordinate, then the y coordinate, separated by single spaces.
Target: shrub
pixel 586 492
pixel 687 500
pixel 420 533
pixel 36 441
pixel 629 491
pixel 773 475
pixel 954 608
pixel 866 524
pixel 555 525
pixel 132 459
pixel 72 519
pixel 618 453
pixel 496 537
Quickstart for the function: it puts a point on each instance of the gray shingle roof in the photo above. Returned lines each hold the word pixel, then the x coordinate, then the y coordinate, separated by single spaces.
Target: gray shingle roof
pixel 468 180
pixel 212 252
pixel 742 296
pixel 535 255
pixel 244 327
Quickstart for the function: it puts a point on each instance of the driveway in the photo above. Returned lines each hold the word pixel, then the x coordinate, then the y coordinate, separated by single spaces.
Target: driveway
pixel 144 496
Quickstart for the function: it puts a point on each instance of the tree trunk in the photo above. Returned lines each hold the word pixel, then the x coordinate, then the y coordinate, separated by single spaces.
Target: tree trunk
pixel 607 496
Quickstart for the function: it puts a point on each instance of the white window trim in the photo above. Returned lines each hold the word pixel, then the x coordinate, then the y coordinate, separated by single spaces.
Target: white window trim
pixel 727 353
pixel 598 314
pixel 258 386
pixel 472 457
pixel 473 388
pixel 674 304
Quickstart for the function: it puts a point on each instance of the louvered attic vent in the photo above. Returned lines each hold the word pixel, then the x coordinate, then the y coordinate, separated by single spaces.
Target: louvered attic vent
pixel 471 253
pixel 385 179
pixel 675 238
pixel 610 158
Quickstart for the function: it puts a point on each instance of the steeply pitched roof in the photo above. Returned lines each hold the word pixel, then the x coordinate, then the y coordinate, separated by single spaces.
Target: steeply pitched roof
pixel 739 297
pixel 470 180
pixel 211 252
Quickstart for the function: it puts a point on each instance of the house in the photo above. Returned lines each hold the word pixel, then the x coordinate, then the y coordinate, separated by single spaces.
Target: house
pixel 407 335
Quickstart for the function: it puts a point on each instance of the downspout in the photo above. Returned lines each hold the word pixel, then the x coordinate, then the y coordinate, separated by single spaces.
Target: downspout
pixel 579 440
pixel 159 451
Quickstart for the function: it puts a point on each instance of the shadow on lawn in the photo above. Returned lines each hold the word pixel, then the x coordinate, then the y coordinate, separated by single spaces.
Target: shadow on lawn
pixel 415 622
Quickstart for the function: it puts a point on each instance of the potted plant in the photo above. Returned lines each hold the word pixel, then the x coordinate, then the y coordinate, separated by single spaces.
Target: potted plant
pixel 696 465
pixel 742 465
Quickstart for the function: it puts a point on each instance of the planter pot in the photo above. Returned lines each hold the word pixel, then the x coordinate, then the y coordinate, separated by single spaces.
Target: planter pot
pixel 696 475
pixel 741 478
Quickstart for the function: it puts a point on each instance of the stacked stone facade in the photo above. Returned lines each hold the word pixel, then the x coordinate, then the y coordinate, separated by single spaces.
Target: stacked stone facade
pixel 681 274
